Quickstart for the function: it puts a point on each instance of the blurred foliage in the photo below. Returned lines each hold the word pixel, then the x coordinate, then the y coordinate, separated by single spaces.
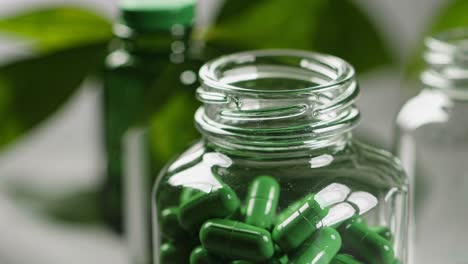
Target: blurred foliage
pixel 57 28
pixel 453 15
pixel 74 40
pixel 336 27
pixel 171 134
pixel 80 207
pixel 72 43
pixel 31 89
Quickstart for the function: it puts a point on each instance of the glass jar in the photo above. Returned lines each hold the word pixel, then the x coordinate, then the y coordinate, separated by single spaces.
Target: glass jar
pixel 432 143
pixel 277 176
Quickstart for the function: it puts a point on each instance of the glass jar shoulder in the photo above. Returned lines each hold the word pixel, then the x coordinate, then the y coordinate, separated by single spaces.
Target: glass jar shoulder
pixel 359 180
pixel 358 164
pixel 381 166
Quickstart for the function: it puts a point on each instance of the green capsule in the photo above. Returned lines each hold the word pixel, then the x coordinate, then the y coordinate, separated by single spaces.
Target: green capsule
pixel 362 242
pixel 383 231
pixel 281 260
pixel 359 219
pixel 170 227
pixel 333 193
pixel 355 218
pixel 338 214
pixel 202 206
pixel 238 215
pixel 236 240
pixel 299 225
pixel 344 259
pixel 279 257
pixel 186 194
pixel 169 254
pixel 262 201
pixel 289 210
pixel 319 249
pixel 199 255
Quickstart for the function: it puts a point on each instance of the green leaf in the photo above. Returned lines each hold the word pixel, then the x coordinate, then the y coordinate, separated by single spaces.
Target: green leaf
pixel 259 25
pixel 169 134
pixel 336 27
pixel 72 41
pixel 345 31
pixel 58 27
pixel 453 15
pixel 32 89
pixel 231 9
pixel 76 207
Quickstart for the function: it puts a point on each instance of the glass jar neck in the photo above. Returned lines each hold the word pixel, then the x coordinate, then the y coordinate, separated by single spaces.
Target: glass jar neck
pixel 277 103
pixel 446 57
pixel 173 41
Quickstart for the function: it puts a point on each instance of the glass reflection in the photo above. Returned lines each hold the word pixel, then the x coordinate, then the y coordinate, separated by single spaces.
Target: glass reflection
pixel 205 180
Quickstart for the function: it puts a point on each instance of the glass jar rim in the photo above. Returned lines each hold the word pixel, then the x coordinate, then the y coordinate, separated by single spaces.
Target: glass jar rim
pixel 446 57
pixel 447 41
pixel 343 71
pixel 243 114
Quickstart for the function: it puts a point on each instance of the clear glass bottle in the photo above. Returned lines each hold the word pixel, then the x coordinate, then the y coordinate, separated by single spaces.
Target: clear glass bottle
pixel 277 174
pixel 432 142
pixel 148 74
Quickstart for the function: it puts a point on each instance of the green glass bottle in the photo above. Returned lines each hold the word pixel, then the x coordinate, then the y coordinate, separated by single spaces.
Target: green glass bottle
pixel 149 77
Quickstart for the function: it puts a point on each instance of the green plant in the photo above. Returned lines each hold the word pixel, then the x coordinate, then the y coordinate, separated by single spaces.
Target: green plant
pixel 336 27
pixel 69 43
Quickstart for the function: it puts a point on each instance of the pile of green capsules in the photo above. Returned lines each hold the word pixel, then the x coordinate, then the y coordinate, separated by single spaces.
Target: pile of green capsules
pixel 308 231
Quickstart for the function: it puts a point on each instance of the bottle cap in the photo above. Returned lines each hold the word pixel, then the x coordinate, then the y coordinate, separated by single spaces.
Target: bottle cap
pixel 153 15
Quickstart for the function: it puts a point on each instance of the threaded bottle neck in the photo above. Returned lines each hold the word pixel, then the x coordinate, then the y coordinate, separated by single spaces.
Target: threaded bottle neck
pixel 446 57
pixel 277 101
